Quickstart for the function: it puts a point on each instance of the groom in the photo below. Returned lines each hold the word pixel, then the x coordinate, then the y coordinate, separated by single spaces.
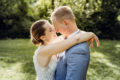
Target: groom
pixel 73 63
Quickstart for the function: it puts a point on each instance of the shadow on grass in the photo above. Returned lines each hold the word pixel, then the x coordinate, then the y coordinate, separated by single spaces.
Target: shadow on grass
pixel 111 50
pixel 105 61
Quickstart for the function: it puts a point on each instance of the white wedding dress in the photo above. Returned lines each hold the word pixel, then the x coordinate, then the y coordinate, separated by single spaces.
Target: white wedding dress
pixel 45 73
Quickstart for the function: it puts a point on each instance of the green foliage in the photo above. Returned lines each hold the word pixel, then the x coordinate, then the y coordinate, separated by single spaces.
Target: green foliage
pixel 110 24
pixel 13 19
pixel 98 16
pixel 16 60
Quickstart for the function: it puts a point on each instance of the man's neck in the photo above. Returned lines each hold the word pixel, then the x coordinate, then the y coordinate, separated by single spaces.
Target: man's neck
pixel 71 31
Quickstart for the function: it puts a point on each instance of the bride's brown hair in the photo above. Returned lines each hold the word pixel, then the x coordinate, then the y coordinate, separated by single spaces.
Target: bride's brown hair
pixel 36 31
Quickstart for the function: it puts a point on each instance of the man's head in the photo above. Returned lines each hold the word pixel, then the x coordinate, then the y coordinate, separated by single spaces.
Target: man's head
pixel 63 20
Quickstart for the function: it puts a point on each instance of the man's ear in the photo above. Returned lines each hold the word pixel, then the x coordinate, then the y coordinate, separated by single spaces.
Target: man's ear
pixel 65 22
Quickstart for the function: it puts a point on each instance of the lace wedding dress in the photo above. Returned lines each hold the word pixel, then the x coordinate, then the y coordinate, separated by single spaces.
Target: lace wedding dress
pixel 45 73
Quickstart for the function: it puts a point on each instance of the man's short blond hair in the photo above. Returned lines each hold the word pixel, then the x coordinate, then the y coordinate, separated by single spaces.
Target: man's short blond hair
pixel 63 12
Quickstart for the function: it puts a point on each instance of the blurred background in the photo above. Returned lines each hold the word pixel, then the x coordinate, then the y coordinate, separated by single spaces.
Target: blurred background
pixel 99 16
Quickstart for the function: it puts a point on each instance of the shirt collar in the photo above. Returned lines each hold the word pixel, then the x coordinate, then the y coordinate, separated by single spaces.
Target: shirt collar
pixel 74 33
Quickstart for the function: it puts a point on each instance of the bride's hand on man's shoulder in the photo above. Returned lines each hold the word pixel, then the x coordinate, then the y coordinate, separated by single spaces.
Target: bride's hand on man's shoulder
pixel 96 40
pixel 92 39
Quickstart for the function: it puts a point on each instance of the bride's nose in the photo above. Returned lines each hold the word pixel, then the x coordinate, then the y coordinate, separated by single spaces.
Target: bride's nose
pixel 56 30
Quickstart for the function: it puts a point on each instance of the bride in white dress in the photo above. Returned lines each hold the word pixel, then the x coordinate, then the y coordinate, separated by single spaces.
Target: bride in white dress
pixel 49 44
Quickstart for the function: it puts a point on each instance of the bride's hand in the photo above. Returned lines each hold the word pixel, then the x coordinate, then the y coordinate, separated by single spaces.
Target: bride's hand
pixel 96 39
pixel 87 36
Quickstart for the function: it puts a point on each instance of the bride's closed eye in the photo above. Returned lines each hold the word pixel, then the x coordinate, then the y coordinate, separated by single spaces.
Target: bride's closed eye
pixel 50 29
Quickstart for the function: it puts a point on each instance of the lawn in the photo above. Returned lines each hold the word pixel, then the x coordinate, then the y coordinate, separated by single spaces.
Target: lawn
pixel 16 60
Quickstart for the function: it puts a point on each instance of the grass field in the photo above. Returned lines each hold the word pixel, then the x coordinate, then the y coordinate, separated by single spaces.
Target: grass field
pixel 16 60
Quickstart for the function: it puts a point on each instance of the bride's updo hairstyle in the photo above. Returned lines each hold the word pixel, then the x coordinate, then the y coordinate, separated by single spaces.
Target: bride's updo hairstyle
pixel 37 30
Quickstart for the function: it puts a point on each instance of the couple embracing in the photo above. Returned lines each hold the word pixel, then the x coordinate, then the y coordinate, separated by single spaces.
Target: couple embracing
pixel 64 57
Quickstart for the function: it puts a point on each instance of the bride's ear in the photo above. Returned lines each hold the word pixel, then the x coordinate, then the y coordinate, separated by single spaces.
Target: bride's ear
pixel 42 37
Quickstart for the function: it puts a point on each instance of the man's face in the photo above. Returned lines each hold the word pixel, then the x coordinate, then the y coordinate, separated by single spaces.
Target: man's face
pixel 60 27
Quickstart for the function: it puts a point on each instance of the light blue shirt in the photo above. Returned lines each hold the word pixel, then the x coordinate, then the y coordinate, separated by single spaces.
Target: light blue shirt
pixel 74 33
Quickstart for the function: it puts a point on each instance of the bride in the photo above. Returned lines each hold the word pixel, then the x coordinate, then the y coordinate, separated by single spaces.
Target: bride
pixel 49 44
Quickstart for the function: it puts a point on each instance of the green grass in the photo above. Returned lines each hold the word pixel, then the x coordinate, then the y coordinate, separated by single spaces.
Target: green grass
pixel 16 60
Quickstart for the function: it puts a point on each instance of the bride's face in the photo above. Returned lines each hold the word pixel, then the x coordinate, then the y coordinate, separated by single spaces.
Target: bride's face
pixel 50 33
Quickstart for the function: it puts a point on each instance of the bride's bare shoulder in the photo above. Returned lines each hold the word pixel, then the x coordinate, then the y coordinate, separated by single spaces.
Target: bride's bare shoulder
pixel 39 48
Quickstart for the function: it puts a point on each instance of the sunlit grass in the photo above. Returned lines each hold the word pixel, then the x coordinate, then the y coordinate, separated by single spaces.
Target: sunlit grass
pixel 105 63
pixel 12 72
pixel 16 60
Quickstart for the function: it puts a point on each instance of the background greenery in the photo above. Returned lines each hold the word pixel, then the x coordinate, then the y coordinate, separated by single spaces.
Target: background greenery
pixel 99 16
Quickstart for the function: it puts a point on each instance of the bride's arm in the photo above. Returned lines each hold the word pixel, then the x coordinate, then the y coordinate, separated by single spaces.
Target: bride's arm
pixel 45 53
pixel 63 45
pixel 92 39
